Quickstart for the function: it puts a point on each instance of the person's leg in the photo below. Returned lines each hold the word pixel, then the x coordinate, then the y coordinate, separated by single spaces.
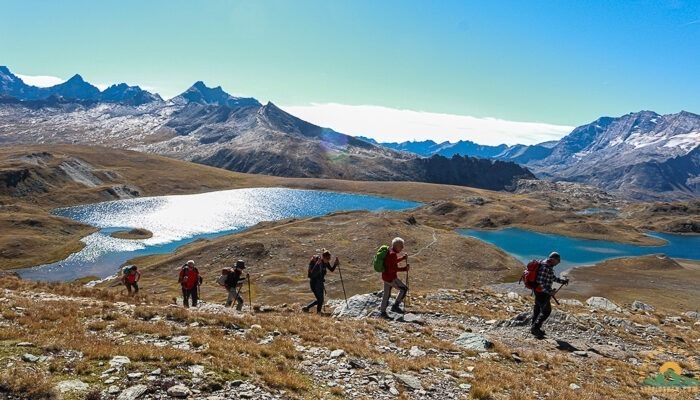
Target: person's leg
pixel 313 303
pixel 319 296
pixel 402 292
pixel 185 298
pixel 240 302
pixel 385 297
pixel 195 296
pixel 535 312
pixel 231 295
pixel 544 308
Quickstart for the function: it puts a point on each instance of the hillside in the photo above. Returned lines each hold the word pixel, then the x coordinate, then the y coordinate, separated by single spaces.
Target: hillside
pixel 76 342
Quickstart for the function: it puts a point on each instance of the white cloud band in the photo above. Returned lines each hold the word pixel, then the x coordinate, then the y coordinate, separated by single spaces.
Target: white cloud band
pixel 393 125
pixel 40 80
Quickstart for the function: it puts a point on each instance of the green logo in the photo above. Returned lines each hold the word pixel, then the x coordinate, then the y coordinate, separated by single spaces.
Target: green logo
pixel 670 377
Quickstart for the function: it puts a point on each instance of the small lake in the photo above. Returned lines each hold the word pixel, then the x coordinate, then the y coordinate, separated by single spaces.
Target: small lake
pixel 178 220
pixel 526 245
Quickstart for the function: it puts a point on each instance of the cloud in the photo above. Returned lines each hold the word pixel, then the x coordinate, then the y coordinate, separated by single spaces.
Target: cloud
pixel 696 22
pixel 394 125
pixel 40 80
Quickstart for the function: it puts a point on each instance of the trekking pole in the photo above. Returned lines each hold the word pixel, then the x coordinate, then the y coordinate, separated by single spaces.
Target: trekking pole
pixel 407 285
pixel 250 296
pixel 555 292
pixel 341 282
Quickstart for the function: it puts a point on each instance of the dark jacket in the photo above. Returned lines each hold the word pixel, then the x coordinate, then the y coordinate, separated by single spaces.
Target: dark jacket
pixel 319 269
pixel 233 278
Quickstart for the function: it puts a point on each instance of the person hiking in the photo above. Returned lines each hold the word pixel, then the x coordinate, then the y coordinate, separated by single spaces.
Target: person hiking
pixel 131 279
pixel 391 279
pixel 318 267
pixel 189 279
pixel 543 292
pixel 233 283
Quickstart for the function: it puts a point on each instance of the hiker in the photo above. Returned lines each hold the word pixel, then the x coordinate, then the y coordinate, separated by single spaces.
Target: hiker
pixel 391 279
pixel 544 292
pixel 189 279
pixel 316 273
pixel 233 283
pixel 130 279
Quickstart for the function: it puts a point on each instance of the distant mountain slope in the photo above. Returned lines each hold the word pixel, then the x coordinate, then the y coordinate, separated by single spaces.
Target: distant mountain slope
pixel 640 155
pixel 74 88
pixel 209 126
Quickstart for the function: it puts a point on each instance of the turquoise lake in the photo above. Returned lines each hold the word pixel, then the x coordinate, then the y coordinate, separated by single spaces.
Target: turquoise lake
pixel 526 245
pixel 178 220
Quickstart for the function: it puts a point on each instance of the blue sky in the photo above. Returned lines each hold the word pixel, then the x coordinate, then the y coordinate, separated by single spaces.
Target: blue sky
pixel 552 64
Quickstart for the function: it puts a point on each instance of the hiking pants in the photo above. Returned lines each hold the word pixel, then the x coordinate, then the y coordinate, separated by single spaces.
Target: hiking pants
pixel 186 293
pixel 395 284
pixel 318 289
pixel 542 309
pixel 234 293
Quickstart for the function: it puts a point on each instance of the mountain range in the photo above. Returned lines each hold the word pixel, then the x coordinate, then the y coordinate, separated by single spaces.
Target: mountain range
pixel 209 126
pixel 641 155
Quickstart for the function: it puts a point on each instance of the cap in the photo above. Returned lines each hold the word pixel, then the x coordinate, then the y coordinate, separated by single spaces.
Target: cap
pixel 240 264
pixel 555 255
pixel 190 262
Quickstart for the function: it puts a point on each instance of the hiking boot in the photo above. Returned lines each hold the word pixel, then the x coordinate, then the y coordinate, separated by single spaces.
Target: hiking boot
pixel 384 315
pixel 537 331
pixel 305 309
pixel 397 310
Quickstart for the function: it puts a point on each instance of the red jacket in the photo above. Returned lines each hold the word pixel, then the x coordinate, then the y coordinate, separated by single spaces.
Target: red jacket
pixel 192 278
pixel 391 266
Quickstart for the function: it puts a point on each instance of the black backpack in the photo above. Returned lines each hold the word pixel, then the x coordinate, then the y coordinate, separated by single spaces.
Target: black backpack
pixel 313 272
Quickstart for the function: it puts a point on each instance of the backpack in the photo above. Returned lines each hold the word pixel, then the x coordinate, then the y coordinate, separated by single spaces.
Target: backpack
pixel 221 280
pixel 315 260
pixel 380 257
pixel 529 277
pixel 126 269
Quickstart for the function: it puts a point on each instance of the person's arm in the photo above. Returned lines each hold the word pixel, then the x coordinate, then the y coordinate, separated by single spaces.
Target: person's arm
pixel 182 273
pixel 335 265
pixel 138 276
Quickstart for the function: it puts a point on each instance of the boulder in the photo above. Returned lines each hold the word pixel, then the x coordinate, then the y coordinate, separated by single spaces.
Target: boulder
pixel 410 381
pixel 30 358
pixel 337 353
pixel 72 386
pixel 692 314
pixel 119 361
pixel 133 392
pixel 178 391
pixel 639 306
pixel 416 352
pixel 412 318
pixel 602 303
pixel 358 306
pixel 473 341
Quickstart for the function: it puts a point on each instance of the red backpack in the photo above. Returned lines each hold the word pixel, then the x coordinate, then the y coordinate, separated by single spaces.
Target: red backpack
pixel 529 277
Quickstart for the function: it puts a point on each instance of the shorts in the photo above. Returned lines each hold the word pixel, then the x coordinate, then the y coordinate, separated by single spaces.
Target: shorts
pixel 135 285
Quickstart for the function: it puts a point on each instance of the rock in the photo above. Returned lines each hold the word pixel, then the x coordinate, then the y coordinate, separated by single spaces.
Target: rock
pixel 581 353
pixel 574 386
pixel 178 391
pixel 393 391
pixel 135 375
pixel 412 318
pixel 237 383
pixel 521 319
pixel 571 302
pixel 416 352
pixel 473 341
pixel 72 386
pixel 639 306
pixel 358 306
pixel 410 381
pixel 513 296
pixel 465 386
pixel 602 303
pixel 30 358
pixel 337 353
pixel 255 326
pixel 25 344
pixel 652 329
pixel 119 361
pixel 358 364
pixel 689 314
pixel 133 392
pixel 196 370
pixel 113 389
pixel 156 372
